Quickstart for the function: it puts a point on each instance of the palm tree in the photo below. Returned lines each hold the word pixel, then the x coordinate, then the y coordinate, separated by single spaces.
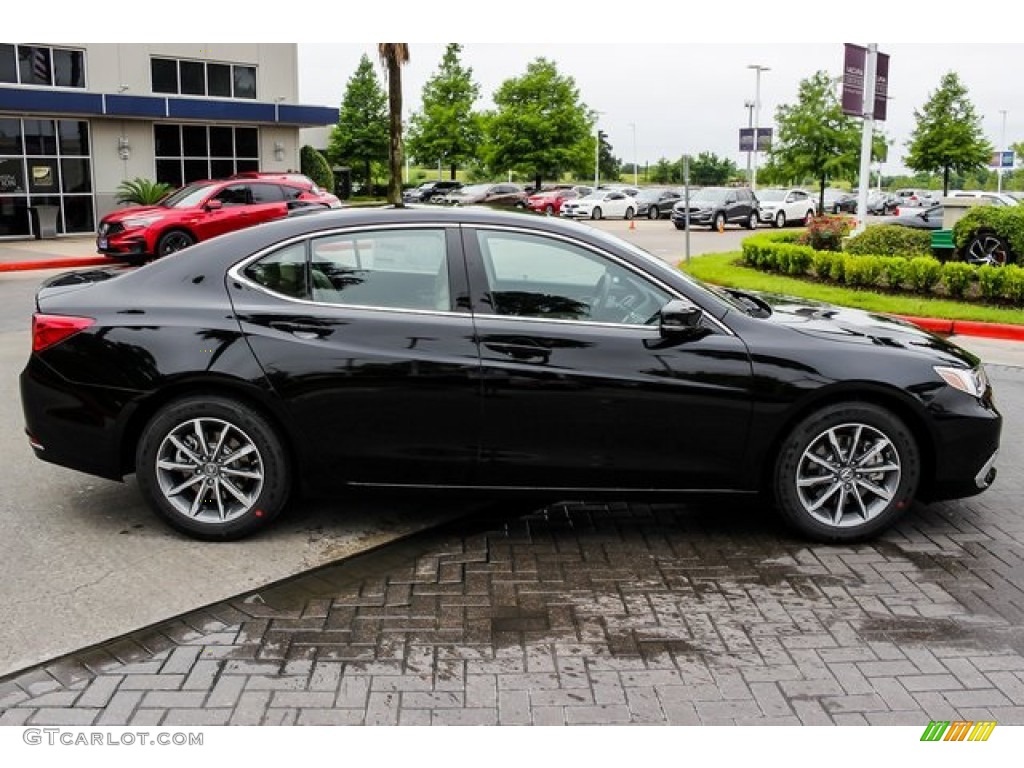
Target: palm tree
pixel 392 57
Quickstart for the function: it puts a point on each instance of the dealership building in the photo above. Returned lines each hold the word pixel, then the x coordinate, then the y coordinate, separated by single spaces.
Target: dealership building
pixel 77 119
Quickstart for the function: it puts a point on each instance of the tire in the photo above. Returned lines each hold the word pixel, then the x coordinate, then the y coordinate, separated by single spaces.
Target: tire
pixel 630 213
pixel 718 222
pixel 679 226
pixel 835 210
pixel 988 248
pixel 846 501
pixel 808 216
pixel 549 210
pixel 653 213
pixel 751 222
pixel 596 213
pixel 246 492
pixel 173 241
pixel 780 220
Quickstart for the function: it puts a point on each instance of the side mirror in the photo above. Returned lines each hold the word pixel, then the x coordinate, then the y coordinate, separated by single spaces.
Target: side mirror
pixel 681 320
pixel 213 205
pixel 730 201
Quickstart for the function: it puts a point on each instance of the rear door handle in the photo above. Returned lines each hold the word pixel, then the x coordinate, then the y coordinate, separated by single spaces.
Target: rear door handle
pixel 304 331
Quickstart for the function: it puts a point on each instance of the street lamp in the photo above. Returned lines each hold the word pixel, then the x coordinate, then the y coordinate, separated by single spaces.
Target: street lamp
pixel 636 182
pixel 1002 148
pixel 758 69
pixel 749 106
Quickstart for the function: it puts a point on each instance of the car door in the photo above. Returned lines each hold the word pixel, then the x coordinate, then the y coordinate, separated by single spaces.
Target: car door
pixel 579 387
pixel 367 337
pixel 615 204
pixel 230 211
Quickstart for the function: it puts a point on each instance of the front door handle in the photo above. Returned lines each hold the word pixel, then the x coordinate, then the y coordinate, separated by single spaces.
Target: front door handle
pixel 522 352
pixel 306 331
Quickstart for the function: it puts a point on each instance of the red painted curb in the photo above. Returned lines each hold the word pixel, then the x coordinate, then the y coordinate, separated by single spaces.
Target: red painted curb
pixel 1004 331
pixel 77 261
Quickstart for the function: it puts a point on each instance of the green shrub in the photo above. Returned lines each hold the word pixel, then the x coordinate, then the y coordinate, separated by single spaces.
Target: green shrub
pixel 957 277
pixel 315 165
pixel 140 191
pixel 1005 221
pixel 822 263
pixel 990 281
pixel 1013 283
pixel 891 240
pixel 826 233
pixel 800 258
pixel 895 269
pixel 861 271
pixel 924 273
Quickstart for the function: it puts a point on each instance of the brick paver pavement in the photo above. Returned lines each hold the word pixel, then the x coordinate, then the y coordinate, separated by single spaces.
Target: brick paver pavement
pixel 706 613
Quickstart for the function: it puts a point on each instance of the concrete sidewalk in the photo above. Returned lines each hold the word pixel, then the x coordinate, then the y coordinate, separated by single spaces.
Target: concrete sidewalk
pixel 60 253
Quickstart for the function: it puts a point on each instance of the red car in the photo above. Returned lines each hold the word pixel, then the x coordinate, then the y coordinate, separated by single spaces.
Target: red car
pixel 550 201
pixel 201 210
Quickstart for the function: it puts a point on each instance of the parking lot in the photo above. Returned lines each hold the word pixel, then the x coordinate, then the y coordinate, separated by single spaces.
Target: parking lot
pixel 614 613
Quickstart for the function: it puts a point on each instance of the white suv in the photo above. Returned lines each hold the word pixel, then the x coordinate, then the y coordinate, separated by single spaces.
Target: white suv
pixel 779 207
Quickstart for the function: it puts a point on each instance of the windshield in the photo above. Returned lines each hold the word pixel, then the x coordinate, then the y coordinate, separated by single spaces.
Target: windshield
pixel 710 195
pixel 186 197
pixel 649 195
pixel 771 195
pixel 475 189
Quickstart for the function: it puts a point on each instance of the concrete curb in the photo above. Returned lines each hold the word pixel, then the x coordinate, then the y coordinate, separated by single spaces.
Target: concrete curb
pixel 1003 331
pixel 67 262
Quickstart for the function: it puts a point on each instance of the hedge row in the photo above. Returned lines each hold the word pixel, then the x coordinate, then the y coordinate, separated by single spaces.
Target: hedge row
pixel 921 274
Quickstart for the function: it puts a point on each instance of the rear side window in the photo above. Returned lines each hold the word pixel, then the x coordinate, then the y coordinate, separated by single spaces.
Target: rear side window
pixel 266 193
pixel 284 271
pixel 400 269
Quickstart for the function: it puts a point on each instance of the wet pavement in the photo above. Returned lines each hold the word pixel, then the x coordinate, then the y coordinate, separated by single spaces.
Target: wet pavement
pixel 700 613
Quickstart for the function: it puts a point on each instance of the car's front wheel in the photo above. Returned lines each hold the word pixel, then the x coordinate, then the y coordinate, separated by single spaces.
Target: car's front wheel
pixel 987 248
pixel 175 240
pixel 718 222
pixel 751 222
pixel 213 468
pixel 653 213
pixel 596 213
pixel 780 220
pixel 846 472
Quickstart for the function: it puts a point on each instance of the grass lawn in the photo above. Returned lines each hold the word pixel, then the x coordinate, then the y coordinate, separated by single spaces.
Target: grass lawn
pixel 722 269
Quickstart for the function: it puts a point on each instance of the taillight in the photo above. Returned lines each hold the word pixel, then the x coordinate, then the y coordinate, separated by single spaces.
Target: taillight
pixel 896 211
pixel 48 330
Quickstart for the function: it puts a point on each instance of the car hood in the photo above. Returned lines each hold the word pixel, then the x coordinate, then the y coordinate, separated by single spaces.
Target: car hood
pixel 134 211
pixel 855 326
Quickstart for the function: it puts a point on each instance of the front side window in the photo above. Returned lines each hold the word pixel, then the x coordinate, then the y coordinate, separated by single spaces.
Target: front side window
pixel 400 269
pixel 540 277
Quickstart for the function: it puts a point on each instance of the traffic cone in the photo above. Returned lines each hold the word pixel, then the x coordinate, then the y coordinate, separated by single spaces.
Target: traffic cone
pixel 721 226
pixel 632 224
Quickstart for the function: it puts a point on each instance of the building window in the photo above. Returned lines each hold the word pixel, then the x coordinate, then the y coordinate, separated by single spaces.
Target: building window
pixel 186 153
pixel 42 65
pixel 201 78
pixel 45 162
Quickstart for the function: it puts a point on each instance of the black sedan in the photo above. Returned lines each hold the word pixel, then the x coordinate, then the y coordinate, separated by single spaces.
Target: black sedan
pixel 656 202
pixel 921 218
pixel 474 349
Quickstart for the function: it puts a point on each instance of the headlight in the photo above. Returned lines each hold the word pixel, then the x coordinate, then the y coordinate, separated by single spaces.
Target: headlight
pixel 973 381
pixel 141 221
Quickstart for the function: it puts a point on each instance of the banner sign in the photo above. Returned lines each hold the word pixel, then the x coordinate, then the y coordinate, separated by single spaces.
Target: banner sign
pixel 854 64
pixel 1002 160
pixel 764 139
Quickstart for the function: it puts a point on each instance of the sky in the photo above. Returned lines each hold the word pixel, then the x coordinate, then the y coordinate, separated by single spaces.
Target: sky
pixel 689 97
pixel 677 71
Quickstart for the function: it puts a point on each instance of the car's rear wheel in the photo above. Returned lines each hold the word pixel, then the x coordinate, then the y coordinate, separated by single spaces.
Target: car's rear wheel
pixel 987 248
pixel 808 216
pixel 653 212
pixel 596 213
pixel 846 472
pixel 751 222
pixel 780 220
pixel 172 241
pixel 213 468
pixel 549 209
pixel 629 214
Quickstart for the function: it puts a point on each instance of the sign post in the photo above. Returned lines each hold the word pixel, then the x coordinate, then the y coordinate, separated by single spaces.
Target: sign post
pixel 865 93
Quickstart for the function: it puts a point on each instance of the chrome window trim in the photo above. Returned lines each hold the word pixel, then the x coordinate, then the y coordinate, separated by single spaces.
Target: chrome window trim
pixel 236 271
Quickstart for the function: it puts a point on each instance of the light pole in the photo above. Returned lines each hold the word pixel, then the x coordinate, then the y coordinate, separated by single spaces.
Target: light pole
pixel 1002 148
pixel 758 69
pixel 636 182
pixel 749 106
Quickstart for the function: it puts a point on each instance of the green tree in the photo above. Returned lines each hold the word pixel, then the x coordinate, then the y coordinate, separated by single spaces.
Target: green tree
pixel 393 56
pixel 814 138
pixel 315 165
pixel 948 135
pixel 361 136
pixel 662 172
pixel 708 169
pixel 540 126
pixel 447 129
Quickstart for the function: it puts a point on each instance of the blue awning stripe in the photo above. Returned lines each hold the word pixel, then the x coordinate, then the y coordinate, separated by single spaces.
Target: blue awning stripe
pixel 41 101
